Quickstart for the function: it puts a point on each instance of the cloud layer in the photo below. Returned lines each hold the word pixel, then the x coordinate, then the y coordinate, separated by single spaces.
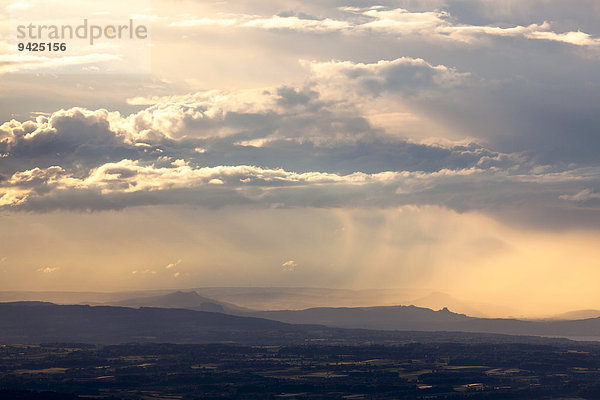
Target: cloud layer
pixel 435 25
pixel 314 145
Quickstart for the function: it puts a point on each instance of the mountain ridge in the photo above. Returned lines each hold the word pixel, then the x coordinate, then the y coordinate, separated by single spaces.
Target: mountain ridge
pixel 190 300
pixel 39 321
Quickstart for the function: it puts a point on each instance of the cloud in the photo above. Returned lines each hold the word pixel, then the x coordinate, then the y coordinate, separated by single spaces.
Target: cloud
pixel 516 115
pixel 128 177
pixel 144 272
pixel 406 74
pixel 289 265
pixel 315 144
pixel 300 23
pixel 582 196
pixel 439 24
pixel 401 21
pixel 289 127
pixel 131 183
pixel 276 147
pixel 277 22
pixel 575 38
pixel 174 264
pixel 48 270
pixel 176 275
pixel 74 137
pixel 434 25
pixel 329 122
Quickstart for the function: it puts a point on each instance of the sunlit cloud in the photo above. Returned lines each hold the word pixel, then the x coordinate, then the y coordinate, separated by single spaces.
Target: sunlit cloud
pixel 434 25
pixel 169 266
pixel 48 270
pixel 581 196
pixel 289 265
pixel 143 272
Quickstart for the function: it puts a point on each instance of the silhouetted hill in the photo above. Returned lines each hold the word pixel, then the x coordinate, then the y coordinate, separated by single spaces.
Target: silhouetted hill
pixel 36 322
pixel 387 317
pixel 190 300
pixel 424 319
pixel 439 300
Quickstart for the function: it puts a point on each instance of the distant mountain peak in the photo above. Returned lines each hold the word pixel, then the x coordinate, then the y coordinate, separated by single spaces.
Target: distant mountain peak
pixel 184 295
pixel 178 299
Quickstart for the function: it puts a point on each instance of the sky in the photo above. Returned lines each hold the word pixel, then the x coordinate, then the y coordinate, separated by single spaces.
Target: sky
pixel 445 145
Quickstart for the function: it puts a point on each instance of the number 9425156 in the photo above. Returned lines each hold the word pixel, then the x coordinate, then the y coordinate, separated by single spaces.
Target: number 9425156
pixel 42 46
